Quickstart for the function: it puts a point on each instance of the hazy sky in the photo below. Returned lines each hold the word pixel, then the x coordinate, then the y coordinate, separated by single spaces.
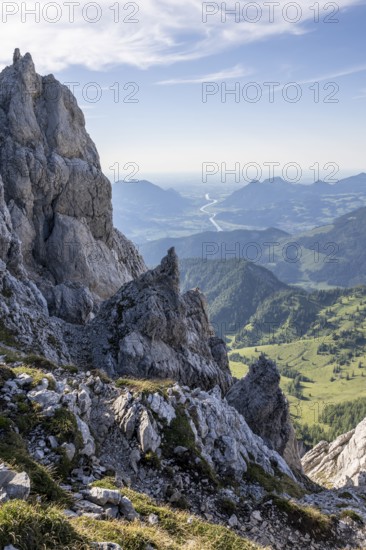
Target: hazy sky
pixel 170 53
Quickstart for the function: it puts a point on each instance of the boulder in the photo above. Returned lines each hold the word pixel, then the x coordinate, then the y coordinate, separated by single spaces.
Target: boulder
pixel 104 496
pixel 13 485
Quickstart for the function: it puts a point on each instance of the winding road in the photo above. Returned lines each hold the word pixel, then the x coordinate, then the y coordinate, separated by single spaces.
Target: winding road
pixel 212 216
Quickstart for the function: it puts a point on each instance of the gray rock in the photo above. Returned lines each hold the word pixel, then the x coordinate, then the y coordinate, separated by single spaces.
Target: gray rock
pixel 104 496
pixel 111 512
pixel 6 475
pixel 24 379
pixel 85 506
pixel 341 462
pixel 256 515
pixel 153 519
pixel 18 487
pixel 147 434
pixel 70 450
pixel 106 546
pixel 60 201
pixel 233 521
pixel 127 510
pixel 260 400
pixel 45 398
pixel 88 440
pixel 148 329
pixel 84 402
pixel 38 455
pixel 69 514
pixel 53 441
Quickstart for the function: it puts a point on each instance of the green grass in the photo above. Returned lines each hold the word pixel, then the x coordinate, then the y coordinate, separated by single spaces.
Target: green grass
pixel 318 368
pixel 42 479
pixel 302 355
pixel 30 526
pixel 7 337
pixel 36 374
pixel 34 527
pixel 173 531
pixel 180 433
pixel 5 374
pixel 13 452
pixel 10 355
pixel 64 427
pixel 352 515
pixel 145 386
pixel 39 362
pixel 280 483
pixel 306 519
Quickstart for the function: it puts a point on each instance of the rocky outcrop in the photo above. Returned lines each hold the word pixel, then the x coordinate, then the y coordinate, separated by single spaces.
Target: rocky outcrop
pixel 194 428
pixel 156 442
pixel 13 485
pixel 340 463
pixel 58 199
pixel 149 330
pixel 24 315
pixel 260 400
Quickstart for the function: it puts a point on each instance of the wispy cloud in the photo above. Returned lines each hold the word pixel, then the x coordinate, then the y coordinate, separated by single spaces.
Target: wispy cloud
pixel 336 74
pixel 238 71
pixel 361 94
pixel 167 31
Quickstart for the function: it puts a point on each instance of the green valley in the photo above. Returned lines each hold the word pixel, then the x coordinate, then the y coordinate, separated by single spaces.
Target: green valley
pixel 324 366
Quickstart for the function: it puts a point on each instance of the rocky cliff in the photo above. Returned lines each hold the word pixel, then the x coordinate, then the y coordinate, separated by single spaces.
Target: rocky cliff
pixel 61 256
pixel 57 196
pixel 341 463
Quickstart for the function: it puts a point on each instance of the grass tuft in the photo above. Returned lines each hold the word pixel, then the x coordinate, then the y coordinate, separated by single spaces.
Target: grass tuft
pixel 352 515
pixel 146 386
pixel 34 527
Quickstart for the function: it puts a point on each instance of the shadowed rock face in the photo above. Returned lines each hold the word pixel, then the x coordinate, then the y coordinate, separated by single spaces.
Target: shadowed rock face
pixel 57 196
pixel 260 400
pixel 148 329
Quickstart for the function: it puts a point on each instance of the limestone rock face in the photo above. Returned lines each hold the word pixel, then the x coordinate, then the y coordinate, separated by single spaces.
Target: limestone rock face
pixel 260 400
pixel 340 463
pixel 10 253
pixel 219 434
pixel 58 199
pixel 149 330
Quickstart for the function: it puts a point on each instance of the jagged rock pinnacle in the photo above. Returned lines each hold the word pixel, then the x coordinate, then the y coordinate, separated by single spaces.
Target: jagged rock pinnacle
pixel 16 55
pixel 260 400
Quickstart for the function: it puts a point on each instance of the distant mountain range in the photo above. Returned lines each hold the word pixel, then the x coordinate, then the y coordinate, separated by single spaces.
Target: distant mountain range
pixel 331 255
pixel 213 245
pixel 291 207
pixel 148 198
pixel 276 190
pixel 142 206
pixel 344 245
pixel 146 212
pixel 234 289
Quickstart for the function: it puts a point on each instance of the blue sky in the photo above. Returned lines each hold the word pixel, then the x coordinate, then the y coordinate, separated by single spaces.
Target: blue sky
pixel 170 52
